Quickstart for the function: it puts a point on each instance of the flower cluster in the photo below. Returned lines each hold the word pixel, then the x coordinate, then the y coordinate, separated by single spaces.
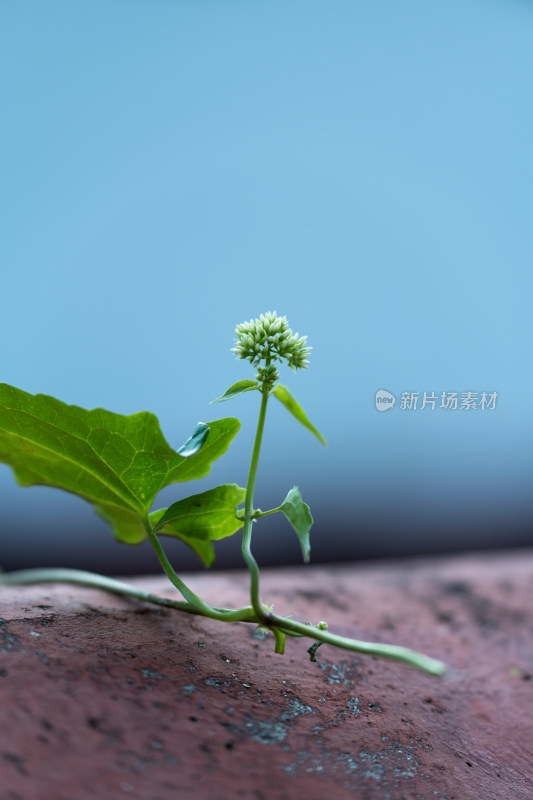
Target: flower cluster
pixel 267 376
pixel 270 339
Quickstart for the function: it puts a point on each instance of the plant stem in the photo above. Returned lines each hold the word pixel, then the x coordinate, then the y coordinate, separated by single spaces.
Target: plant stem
pixel 258 514
pixel 279 625
pixel 203 608
pixel 187 593
pixel 248 512
pixel 93 579
pixel 59 575
pixel 395 652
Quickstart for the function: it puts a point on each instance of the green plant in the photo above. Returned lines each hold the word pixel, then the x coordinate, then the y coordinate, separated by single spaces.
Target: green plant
pixel 120 463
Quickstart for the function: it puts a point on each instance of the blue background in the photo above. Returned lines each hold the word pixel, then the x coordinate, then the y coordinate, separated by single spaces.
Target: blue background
pixel 169 169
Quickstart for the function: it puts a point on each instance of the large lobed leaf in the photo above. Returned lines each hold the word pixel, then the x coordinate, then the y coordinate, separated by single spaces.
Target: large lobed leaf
pixel 118 463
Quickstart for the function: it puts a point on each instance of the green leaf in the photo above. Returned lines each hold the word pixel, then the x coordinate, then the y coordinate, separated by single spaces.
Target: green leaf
pixel 236 389
pixel 118 463
pixel 202 547
pixel 292 405
pixel 298 514
pixel 195 442
pixel 208 516
pixel 221 434
pixel 128 525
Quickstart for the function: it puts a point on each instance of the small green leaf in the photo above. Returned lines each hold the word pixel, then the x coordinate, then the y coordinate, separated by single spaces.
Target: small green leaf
pixel 292 405
pixel 202 547
pixel 195 442
pixel 209 516
pixel 298 514
pixel 118 463
pixel 236 389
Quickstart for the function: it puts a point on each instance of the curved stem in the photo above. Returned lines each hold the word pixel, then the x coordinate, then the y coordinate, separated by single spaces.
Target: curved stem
pixel 203 608
pixel 248 512
pixel 26 577
pixel 279 625
pixel 59 575
pixel 193 600
pixel 182 587
pixel 392 651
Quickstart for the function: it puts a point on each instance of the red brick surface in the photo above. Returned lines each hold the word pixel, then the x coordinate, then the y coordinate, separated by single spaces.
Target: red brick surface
pixel 102 697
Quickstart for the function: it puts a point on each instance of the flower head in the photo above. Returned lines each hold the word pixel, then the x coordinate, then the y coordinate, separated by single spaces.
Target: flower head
pixel 270 339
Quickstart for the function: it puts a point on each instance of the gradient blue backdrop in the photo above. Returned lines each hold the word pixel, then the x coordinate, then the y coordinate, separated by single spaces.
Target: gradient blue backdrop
pixel 169 169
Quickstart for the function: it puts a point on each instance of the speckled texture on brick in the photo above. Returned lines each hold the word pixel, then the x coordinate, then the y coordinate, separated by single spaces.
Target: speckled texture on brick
pixel 103 697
